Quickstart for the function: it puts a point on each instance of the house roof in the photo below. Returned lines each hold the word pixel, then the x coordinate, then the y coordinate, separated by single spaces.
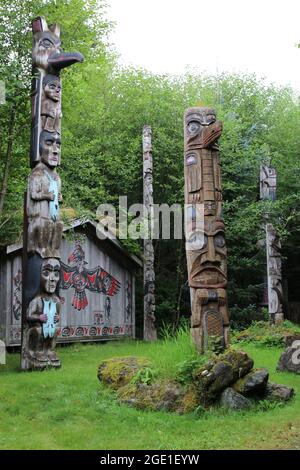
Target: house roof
pixel 108 241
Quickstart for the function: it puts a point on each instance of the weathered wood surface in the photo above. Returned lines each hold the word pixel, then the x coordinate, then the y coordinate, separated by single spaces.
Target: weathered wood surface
pixel 92 323
pixel 205 244
pixel 42 225
pixel 275 291
pixel 150 333
pixel 2 353
pixel 268 186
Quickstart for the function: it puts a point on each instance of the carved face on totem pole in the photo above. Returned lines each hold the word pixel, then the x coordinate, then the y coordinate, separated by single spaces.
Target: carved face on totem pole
pixel 50 272
pixel 47 54
pixel 209 265
pixel 52 88
pixel 50 148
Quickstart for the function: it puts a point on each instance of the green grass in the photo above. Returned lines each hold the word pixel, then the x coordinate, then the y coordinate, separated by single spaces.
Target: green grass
pixel 70 409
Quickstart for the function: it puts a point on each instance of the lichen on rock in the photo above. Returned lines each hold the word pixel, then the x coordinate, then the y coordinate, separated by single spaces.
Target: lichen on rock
pixel 119 371
pixel 159 396
pixel 222 379
pixel 254 382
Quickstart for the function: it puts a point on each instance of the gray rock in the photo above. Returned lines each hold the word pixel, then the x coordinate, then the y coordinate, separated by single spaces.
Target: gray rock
pixel 290 360
pixel 159 396
pixel 290 339
pixel 278 392
pixel 240 361
pixel 221 372
pixel 253 383
pixel 234 400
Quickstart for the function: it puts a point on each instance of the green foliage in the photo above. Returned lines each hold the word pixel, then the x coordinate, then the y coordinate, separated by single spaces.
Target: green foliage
pixel 241 318
pixel 199 411
pixel 144 376
pixel 185 369
pixel 265 334
pixel 267 405
pixel 81 413
pixel 215 344
pixel 105 108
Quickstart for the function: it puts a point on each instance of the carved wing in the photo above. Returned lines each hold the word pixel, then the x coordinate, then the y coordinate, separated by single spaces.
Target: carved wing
pixel 66 279
pixel 101 281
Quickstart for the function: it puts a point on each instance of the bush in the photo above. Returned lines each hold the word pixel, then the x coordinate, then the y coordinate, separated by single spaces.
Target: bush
pixel 266 334
pixel 241 318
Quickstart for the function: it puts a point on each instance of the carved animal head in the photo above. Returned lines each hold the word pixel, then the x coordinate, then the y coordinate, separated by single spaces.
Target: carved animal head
pixel 202 130
pixel 47 54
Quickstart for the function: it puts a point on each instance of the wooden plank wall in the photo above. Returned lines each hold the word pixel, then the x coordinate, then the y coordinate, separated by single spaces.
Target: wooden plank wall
pixel 96 321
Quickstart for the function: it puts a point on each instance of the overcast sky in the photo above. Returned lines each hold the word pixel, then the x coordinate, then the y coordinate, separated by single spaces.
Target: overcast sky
pixel 166 36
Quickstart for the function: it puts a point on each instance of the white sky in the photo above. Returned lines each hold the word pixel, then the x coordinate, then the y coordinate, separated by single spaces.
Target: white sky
pixel 165 36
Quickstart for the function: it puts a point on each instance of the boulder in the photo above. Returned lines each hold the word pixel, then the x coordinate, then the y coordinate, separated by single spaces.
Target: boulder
pixel 159 396
pixel 278 392
pixel 290 359
pixel 240 361
pixel 119 371
pixel 234 400
pixel 189 402
pixel 252 383
pixel 289 339
pixel 219 373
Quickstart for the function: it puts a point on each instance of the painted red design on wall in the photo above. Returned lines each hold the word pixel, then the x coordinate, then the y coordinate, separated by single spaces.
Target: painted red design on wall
pixel 79 277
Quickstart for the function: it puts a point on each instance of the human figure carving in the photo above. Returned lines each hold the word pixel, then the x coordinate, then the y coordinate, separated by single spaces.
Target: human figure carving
pixel 51 104
pixel 42 315
pixel 44 195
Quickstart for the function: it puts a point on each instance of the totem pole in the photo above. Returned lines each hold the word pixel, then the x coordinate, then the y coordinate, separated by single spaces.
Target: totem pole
pixel 150 333
pixel 206 248
pixel 268 181
pixel 42 225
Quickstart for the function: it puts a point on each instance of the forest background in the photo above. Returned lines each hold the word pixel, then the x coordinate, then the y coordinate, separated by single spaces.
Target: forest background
pixel 105 107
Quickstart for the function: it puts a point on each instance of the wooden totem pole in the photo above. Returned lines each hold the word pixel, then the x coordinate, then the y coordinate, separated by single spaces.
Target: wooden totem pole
pixel 205 248
pixel 268 180
pixel 42 225
pixel 150 333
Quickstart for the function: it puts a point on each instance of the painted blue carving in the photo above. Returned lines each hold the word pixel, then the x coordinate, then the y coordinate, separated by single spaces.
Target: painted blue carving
pixel 50 311
pixel 53 205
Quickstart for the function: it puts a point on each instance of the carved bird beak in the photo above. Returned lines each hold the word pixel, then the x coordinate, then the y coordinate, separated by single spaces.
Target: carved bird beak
pixel 60 60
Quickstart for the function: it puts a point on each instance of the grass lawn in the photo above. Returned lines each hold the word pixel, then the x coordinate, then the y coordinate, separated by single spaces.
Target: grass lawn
pixel 70 409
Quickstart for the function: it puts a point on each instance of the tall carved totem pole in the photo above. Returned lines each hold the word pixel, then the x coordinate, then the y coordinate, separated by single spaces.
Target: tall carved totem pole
pixel 150 333
pixel 268 184
pixel 205 248
pixel 42 225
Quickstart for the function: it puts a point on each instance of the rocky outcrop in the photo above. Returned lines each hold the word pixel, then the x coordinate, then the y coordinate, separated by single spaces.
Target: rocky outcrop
pixel 228 380
pixel 290 358
pixel 159 396
pixel 278 392
pixel 119 371
pixel 252 383
pixel 219 373
pixel 233 400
